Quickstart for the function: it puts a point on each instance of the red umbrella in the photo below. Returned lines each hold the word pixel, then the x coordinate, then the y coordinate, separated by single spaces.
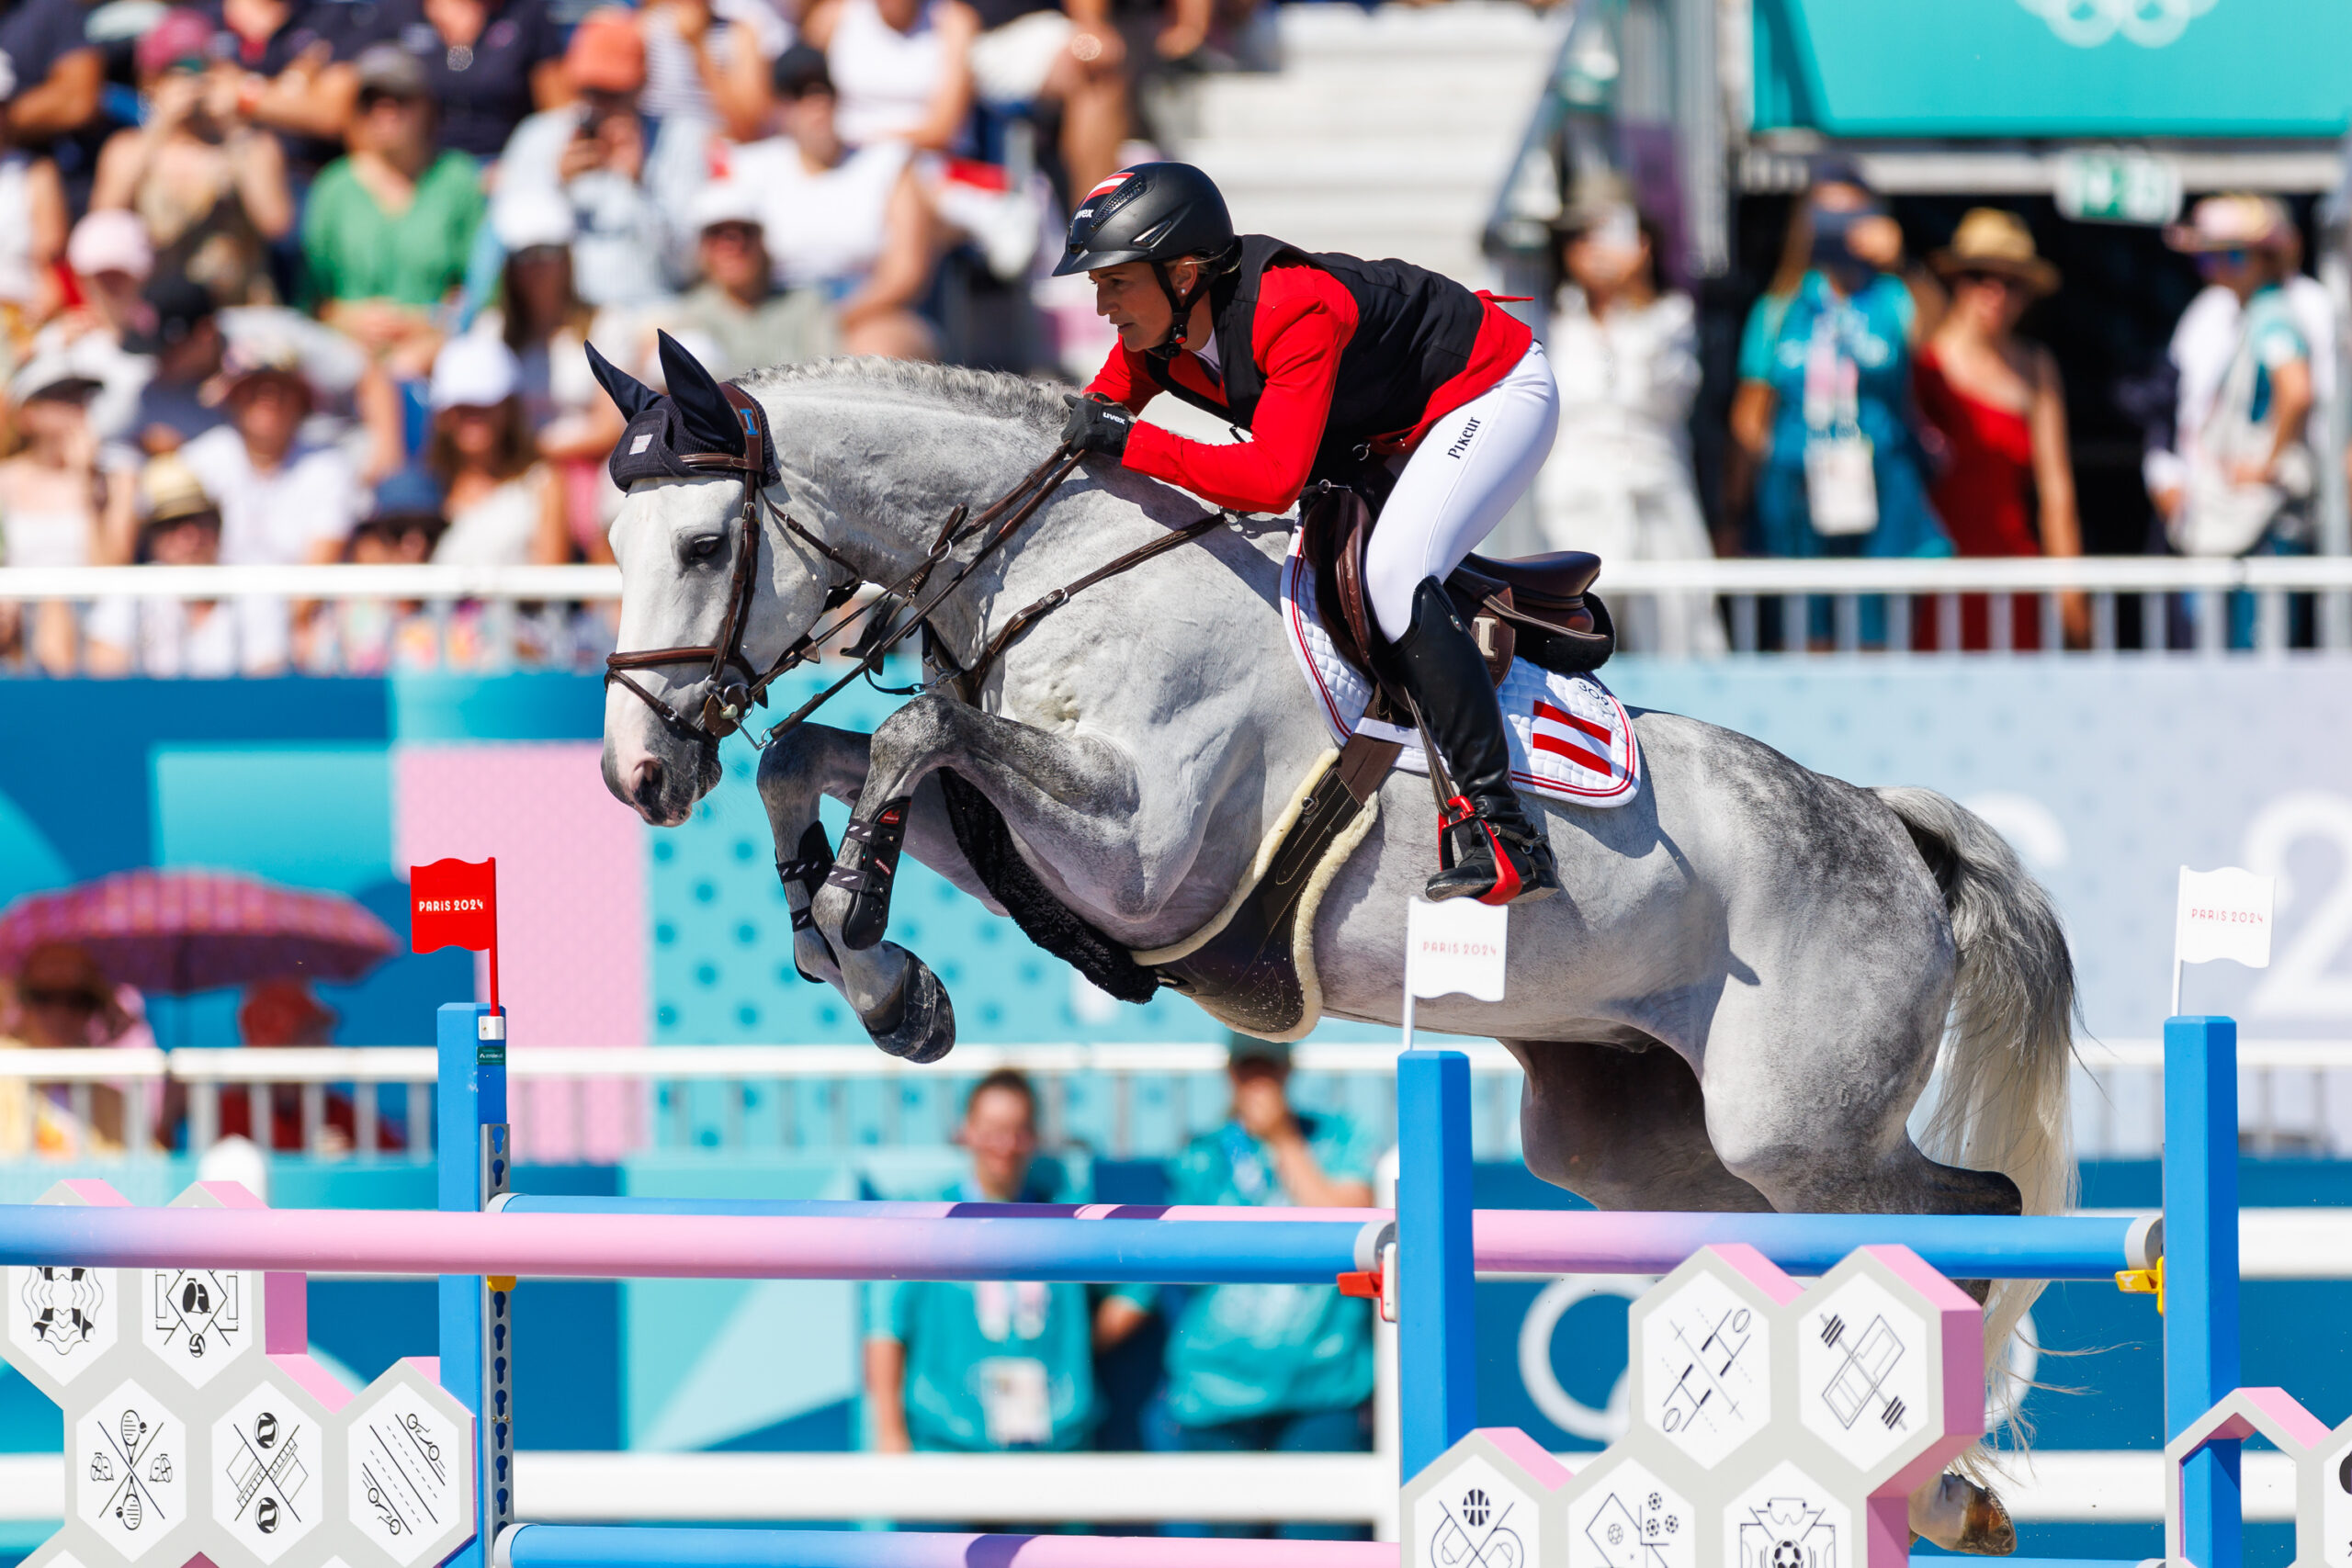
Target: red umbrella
pixel 175 931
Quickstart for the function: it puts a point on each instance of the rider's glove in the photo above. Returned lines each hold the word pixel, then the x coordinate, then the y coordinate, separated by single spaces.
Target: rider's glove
pixel 1097 424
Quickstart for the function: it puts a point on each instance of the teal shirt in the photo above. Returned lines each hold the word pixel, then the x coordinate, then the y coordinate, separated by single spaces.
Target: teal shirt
pixel 1025 1349
pixel 1244 1350
pixel 355 250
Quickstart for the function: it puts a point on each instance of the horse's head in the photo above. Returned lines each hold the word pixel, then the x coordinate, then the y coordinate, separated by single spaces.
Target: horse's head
pixel 708 601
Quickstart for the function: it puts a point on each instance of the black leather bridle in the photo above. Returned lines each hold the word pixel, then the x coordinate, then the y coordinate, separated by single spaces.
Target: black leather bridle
pixel 726 703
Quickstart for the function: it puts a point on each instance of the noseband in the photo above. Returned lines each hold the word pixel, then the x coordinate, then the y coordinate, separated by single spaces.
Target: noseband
pixel 726 703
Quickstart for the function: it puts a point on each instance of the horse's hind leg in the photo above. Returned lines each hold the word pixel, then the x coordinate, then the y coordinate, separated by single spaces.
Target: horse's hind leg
pixel 1621 1129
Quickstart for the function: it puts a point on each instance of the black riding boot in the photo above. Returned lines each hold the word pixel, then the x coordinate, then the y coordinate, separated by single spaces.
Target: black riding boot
pixel 1486 848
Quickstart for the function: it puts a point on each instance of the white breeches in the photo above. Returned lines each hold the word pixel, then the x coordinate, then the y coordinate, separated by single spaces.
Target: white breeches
pixel 1458 484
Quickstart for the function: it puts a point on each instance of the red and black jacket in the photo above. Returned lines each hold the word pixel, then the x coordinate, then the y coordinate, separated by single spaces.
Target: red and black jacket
pixel 1327 360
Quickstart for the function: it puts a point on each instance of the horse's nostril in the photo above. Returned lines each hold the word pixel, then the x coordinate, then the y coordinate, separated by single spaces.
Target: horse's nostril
pixel 650 775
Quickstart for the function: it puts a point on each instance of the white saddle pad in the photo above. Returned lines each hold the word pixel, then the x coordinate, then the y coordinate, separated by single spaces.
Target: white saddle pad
pixel 1570 738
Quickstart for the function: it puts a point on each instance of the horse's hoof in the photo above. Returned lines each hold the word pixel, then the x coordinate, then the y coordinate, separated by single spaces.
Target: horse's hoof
pixel 1959 1516
pixel 919 1024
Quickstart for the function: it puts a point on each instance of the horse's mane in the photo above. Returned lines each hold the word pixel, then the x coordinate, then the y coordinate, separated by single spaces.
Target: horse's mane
pixel 996 393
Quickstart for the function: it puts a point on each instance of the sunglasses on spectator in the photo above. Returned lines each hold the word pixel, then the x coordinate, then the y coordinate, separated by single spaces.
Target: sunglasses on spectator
pixel 185 520
pixel 73 997
pixel 2231 258
pixel 733 234
pixel 189 65
pixel 1988 280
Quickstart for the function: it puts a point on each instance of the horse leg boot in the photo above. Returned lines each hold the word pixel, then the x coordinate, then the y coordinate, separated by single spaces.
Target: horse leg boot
pixel 868 869
pixel 1488 850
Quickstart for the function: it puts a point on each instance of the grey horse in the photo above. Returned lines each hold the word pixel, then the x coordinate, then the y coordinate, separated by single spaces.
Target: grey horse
pixel 1736 1006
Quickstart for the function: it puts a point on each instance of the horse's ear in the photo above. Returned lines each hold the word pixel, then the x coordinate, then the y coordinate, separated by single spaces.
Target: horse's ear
pixel 702 406
pixel 631 395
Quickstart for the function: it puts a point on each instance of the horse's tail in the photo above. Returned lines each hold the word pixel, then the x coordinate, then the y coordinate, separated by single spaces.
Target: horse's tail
pixel 2009 1045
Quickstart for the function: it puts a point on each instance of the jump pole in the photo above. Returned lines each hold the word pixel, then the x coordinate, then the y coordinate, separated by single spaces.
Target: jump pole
pixel 472 1154
pixel 2198 1283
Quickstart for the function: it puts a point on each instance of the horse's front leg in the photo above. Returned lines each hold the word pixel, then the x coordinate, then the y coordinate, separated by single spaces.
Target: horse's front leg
pixel 893 993
pixel 1077 794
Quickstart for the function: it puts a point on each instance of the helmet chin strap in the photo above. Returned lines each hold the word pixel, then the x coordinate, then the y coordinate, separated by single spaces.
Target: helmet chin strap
pixel 1181 305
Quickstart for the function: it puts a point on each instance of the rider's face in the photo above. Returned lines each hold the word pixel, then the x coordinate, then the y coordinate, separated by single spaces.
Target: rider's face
pixel 1130 298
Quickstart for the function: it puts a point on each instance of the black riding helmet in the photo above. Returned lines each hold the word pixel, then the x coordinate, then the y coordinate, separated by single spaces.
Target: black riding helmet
pixel 1150 212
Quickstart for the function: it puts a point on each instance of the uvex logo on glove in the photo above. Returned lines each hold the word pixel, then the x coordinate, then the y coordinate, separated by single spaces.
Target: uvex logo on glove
pixel 1097 424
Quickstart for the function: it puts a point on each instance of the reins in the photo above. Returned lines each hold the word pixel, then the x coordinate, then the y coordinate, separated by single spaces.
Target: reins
pixel 726 703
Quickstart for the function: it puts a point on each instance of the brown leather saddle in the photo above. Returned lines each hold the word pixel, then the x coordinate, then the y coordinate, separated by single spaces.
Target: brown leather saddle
pixel 1540 608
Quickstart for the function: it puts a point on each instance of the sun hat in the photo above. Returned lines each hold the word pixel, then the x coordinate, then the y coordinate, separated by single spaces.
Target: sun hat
pixel 473 371
pixel 529 216
pixel 723 201
pixel 183 34
pixel 2240 222
pixel 111 240
pixel 1994 240
pixel 799 70
pixel 55 373
pixel 388 71
pixel 607 53
pixel 170 491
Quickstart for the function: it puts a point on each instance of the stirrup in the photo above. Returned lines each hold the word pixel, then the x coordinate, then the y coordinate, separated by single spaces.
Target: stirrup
pixel 866 870
pixel 1494 864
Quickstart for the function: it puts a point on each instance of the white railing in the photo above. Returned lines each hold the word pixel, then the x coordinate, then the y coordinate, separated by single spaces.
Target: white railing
pixel 1114 1100
pixel 2133 604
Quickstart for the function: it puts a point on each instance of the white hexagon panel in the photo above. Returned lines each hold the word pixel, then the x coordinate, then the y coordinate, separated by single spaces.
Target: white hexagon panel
pixel 198 1321
pixel 62 1321
pixel 1703 1349
pixel 128 1461
pixel 1482 1503
pixel 1621 1515
pixel 271 1474
pixel 1787 1519
pixel 1884 1345
pixel 408 1470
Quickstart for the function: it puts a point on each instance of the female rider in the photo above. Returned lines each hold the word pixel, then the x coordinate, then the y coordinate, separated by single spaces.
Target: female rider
pixel 1329 362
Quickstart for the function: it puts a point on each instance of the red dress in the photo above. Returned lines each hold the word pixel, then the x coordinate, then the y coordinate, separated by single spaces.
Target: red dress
pixel 1986 497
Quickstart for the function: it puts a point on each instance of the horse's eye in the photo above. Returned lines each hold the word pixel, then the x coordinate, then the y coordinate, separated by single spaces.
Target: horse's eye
pixel 705 546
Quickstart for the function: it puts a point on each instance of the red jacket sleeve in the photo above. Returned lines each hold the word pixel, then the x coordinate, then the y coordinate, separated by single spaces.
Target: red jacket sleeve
pixel 1305 318
pixel 1123 381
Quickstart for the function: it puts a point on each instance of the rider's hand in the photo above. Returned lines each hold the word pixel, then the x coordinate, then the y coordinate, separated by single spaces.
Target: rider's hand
pixel 1097 424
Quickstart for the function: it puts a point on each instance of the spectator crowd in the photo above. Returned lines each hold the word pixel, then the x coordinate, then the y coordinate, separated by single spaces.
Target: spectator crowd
pixel 1885 406
pixel 308 281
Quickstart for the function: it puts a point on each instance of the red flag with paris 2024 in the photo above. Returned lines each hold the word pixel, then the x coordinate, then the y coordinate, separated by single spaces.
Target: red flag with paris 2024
pixel 454 903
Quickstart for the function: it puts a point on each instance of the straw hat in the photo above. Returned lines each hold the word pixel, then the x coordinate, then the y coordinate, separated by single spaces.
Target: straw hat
pixel 1992 240
pixel 172 492
pixel 2238 223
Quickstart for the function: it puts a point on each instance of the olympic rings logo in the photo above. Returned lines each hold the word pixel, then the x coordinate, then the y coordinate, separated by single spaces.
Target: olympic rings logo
pixel 2086 23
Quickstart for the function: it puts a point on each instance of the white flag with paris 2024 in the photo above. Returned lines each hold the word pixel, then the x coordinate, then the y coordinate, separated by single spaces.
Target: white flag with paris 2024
pixel 1458 945
pixel 2223 914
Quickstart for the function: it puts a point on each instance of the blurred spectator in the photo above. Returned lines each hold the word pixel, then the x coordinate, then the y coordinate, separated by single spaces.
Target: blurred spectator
pixel 63 1000
pixel 708 61
pixel 2249 471
pixel 111 263
pixel 1618 481
pixel 2005 485
pixel 372 636
pixel 487 63
pixel 51 507
pixel 1821 431
pixel 387 229
pixel 164 635
pixel 1058 52
pixel 283 501
pixel 32 236
pixel 279 1013
pixel 853 225
pixel 2206 339
pixel 738 304
pixel 210 189
pixel 295 77
pixel 503 505
pixel 1269 1368
pixel 992 1365
pixel 180 329
pixel 625 175
pixel 548 326
pixel 53 81
pixel 903 68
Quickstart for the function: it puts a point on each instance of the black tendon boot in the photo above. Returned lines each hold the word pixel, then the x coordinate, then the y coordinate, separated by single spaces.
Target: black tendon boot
pixel 1486 848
